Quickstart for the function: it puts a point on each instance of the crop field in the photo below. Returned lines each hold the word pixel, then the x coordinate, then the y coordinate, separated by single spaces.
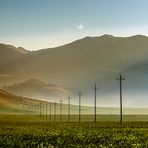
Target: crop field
pixel 30 131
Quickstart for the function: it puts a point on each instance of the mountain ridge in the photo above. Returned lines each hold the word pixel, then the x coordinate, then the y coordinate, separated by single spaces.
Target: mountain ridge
pixel 37 89
pixel 80 61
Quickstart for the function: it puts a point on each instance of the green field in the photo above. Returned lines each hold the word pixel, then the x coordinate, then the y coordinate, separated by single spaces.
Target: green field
pixel 29 131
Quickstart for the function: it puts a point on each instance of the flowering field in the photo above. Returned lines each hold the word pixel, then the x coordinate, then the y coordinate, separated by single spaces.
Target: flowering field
pixel 19 134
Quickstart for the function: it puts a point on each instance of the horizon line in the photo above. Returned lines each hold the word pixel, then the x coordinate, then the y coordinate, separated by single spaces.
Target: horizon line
pixel 89 36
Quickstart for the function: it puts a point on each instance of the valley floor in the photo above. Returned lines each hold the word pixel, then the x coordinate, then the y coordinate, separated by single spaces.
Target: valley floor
pixel 32 131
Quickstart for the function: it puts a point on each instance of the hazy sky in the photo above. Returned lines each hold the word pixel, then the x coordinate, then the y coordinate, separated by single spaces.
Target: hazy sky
pixel 37 24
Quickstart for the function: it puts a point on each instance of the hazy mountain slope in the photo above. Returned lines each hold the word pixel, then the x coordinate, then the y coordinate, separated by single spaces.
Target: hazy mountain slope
pixel 86 60
pixel 10 103
pixel 9 53
pixel 37 89
pixel 16 104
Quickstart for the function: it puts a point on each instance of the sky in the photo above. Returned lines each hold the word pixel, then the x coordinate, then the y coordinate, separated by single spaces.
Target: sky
pixel 38 24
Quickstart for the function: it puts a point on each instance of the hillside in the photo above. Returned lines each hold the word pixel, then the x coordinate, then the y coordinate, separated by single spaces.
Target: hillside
pixel 81 61
pixel 37 89
pixel 10 103
pixel 9 53
pixel 21 105
pixel 80 64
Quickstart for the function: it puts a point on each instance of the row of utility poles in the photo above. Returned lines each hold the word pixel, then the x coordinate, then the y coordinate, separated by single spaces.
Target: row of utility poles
pixel 44 108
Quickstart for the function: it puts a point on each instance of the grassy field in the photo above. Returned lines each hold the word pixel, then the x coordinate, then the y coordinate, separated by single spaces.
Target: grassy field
pixel 29 131
pixel 73 118
pixel 22 125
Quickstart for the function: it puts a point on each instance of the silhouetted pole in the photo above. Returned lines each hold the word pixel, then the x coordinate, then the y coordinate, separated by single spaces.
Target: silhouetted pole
pixel 80 106
pixel 21 99
pixel 43 110
pixel 30 109
pixel 50 111
pixel 95 103
pixel 40 110
pixel 46 109
pixel 69 98
pixel 54 111
pixel 120 80
pixel 61 111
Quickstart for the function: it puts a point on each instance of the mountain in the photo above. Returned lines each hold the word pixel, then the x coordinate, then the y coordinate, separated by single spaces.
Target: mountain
pixel 10 103
pixel 10 53
pixel 79 63
pixel 37 89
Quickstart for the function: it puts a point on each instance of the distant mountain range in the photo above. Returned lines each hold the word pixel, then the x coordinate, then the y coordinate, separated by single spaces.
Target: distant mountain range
pixel 37 89
pixel 77 64
pixel 79 61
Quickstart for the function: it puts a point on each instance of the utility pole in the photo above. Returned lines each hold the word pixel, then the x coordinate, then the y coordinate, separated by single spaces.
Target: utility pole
pixel 50 111
pixel 21 98
pixel 80 106
pixel 54 111
pixel 95 103
pixel 120 81
pixel 61 111
pixel 22 101
pixel 40 110
pixel 38 105
pixel 30 109
pixel 43 110
pixel 46 110
pixel 69 98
